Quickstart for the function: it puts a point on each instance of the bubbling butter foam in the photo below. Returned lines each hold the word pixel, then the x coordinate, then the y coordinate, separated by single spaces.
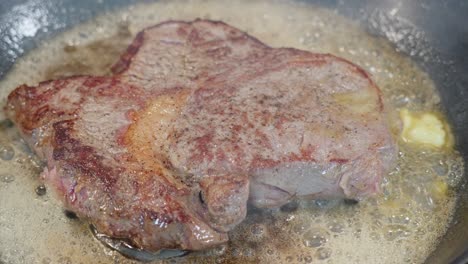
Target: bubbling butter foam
pixel 400 225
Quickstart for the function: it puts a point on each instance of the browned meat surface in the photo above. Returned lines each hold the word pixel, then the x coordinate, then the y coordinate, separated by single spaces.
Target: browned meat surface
pixel 78 126
pixel 198 118
pixel 296 123
pixel 181 54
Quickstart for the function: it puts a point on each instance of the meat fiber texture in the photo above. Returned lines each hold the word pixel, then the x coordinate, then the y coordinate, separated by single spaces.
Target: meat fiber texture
pixel 198 120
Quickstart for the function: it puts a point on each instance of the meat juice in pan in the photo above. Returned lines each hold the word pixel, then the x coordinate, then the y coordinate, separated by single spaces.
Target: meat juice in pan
pixel 400 225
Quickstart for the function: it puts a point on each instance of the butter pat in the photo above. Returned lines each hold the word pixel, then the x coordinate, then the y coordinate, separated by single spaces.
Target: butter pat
pixel 423 128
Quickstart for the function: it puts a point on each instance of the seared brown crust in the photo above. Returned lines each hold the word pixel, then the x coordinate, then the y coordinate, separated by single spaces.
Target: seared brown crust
pixel 81 158
pixel 126 58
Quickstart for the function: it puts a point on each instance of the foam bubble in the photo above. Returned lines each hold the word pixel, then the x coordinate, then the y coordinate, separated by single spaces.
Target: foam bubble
pixel 323 253
pixel 6 152
pixel 315 238
pixel 7 178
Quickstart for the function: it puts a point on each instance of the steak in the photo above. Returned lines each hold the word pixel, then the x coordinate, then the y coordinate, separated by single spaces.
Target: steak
pixel 198 120
pixel 182 54
pixel 77 125
pixel 297 124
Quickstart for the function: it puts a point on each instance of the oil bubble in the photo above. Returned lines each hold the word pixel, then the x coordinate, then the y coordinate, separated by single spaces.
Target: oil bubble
pixel 219 250
pixel 257 229
pixel 236 252
pixel 336 227
pixel 257 232
pixel 323 253
pixel 65 260
pixel 441 168
pixel 35 162
pixel 300 227
pixel 6 152
pixel 7 178
pixel 41 190
pixel 392 232
pixel 247 252
pixel 315 238
pixel 308 259
pixel 327 203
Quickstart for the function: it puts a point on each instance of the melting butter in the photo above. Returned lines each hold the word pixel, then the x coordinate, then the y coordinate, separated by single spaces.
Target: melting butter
pixel 424 128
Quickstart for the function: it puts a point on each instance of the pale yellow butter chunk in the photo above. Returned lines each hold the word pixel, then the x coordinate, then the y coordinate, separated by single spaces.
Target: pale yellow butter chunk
pixel 423 128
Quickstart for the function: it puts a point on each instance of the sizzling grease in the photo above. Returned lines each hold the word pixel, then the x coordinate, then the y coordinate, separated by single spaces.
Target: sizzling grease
pixel 401 225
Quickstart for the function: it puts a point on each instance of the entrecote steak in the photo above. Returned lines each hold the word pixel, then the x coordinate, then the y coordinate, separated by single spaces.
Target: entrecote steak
pixel 181 54
pixel 198 120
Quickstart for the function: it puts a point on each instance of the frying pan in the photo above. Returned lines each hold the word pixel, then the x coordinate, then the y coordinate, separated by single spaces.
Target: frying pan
pixel 444 26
